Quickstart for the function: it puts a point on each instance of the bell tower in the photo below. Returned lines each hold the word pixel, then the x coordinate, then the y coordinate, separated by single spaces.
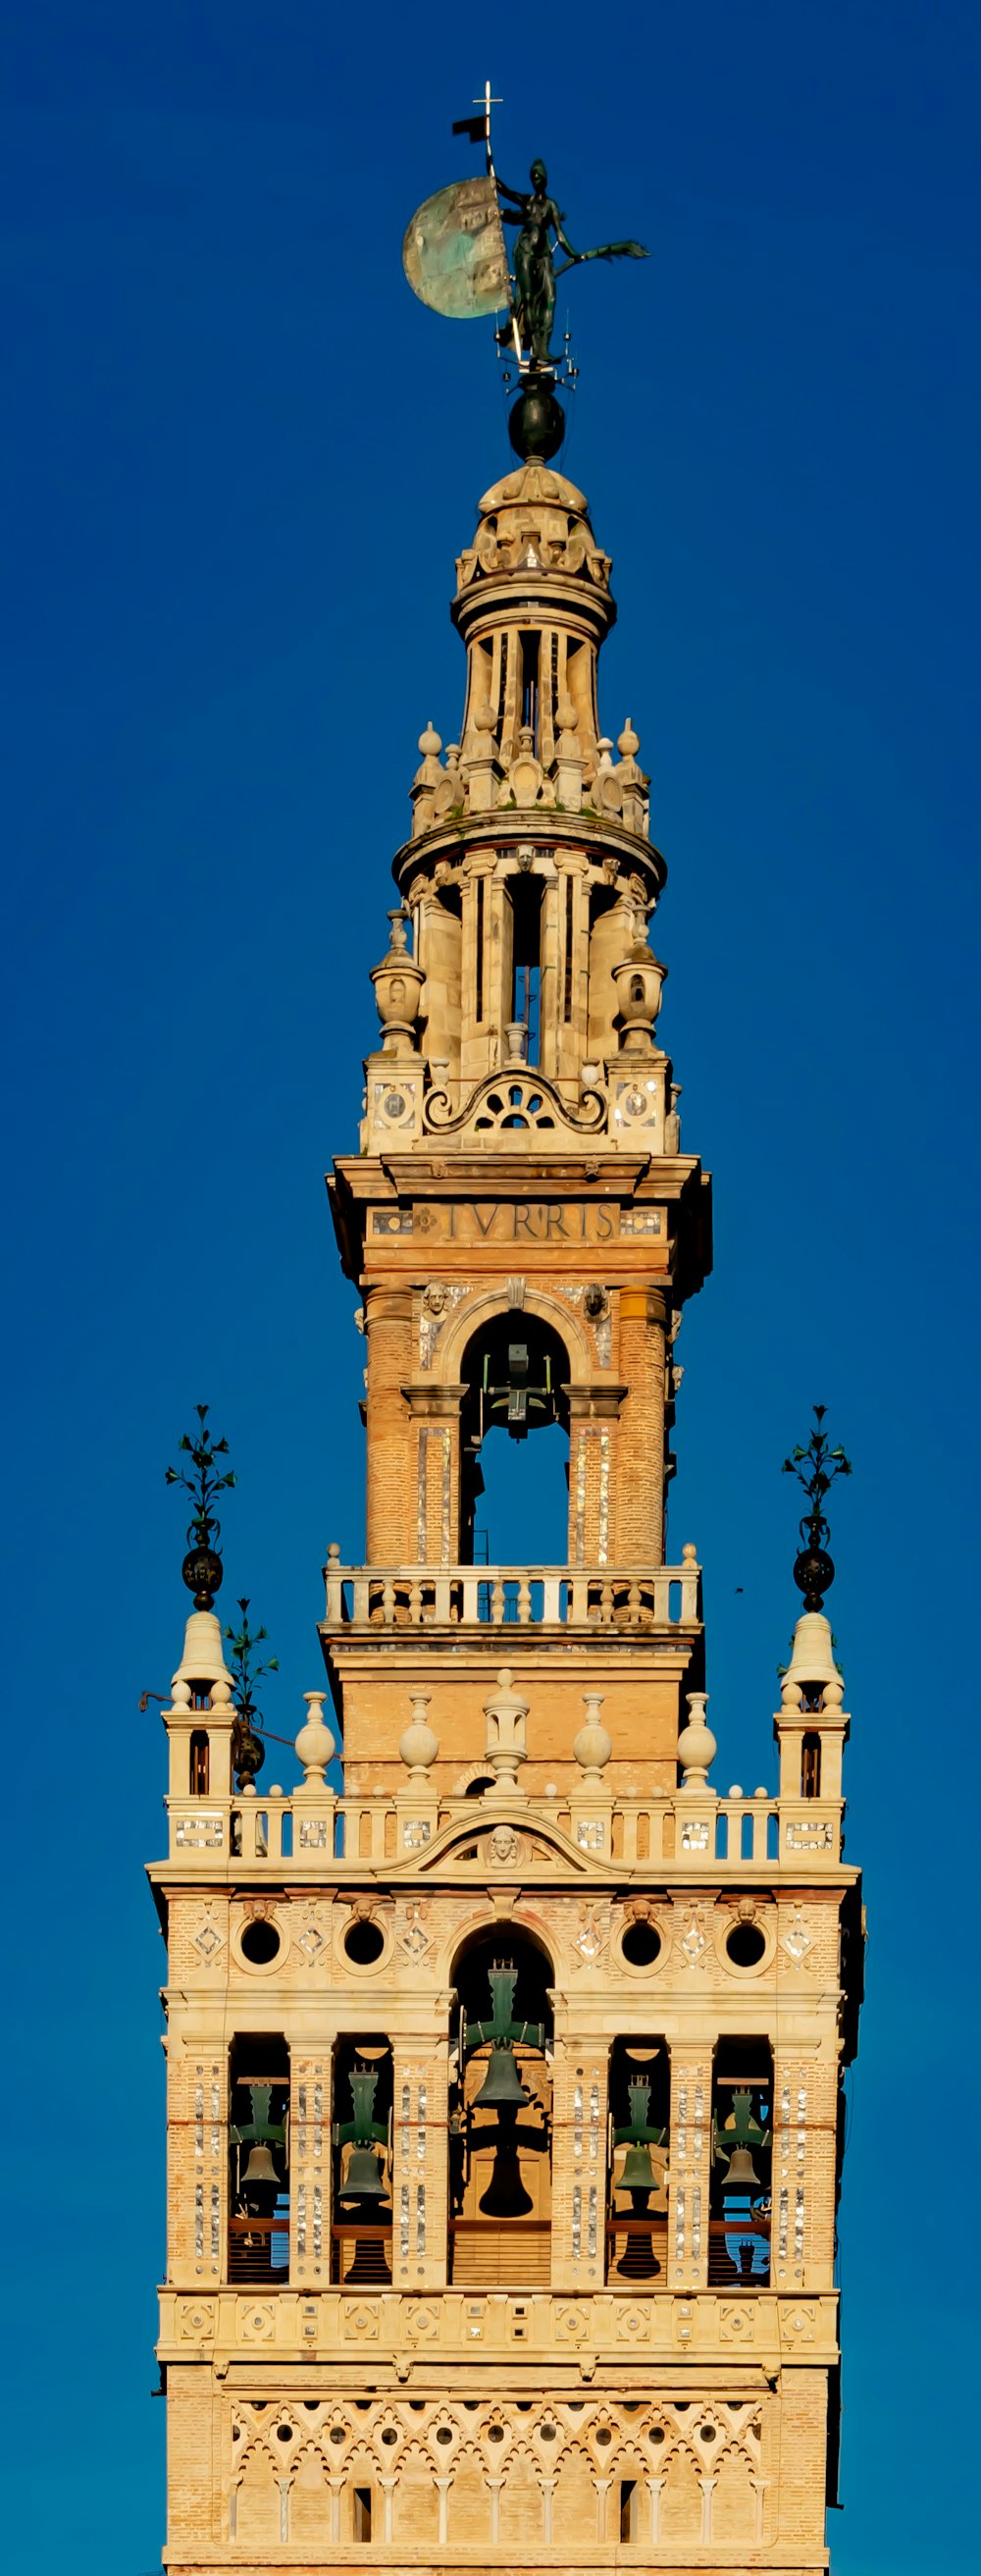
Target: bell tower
pixel 504 2082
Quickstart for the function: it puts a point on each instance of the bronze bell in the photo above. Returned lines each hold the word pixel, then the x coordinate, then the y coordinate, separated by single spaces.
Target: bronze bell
pixel 740 2175
pixel 260 2170
pixel 502 2088
pixel 364 2176
pixel 638 2172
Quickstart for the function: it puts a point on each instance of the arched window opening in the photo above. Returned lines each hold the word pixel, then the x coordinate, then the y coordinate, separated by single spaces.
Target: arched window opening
pixel 501 2116
pixel 810 1767
pixel 742 2116
pixel 258 2142
pixel 200 1766
pixel 361 2235
pixel 640 2110
pixel 514 1507
pixel 526 955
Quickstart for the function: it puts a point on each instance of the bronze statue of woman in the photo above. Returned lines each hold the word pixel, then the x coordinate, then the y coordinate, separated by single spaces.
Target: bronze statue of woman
pixel 534 269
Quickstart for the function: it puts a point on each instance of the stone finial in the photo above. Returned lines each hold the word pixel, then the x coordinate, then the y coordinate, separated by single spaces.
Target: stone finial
pixel 315 1744
pixel 419 1745
pixel 506 1747
pixel 428 777
pixel 696 1744
pixel 628 742
pixel 812 1665
pixel 592 1746
pixel 398 984
pixel 638 980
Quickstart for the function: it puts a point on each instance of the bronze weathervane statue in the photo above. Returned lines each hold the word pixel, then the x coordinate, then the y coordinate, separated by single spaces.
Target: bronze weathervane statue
pixel 535 273
pixel 455 259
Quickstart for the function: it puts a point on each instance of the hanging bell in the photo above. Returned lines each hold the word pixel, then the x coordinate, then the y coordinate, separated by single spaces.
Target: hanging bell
pixel 502 2088
pixel 638 2172
pixel 260 2170
pixel 740 2175
pixel 364 2176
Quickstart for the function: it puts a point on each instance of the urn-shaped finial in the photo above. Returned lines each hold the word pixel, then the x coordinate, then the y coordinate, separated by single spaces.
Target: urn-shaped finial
pixel 592 1746
pixel 315 1744
pixel 505 1714
pixel 638 981
pixel 398 983
pixel 419 1744
pixel 697 1747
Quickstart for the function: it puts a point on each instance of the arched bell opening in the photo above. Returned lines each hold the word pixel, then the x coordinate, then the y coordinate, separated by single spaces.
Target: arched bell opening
pixel 514 1502
pixel 810 1766
pixel 501 2114
pixel 200 1763
pixel 258 2146
pixel 361 2232
pixel 640 2112
pixel 525 918
pixel 742 2136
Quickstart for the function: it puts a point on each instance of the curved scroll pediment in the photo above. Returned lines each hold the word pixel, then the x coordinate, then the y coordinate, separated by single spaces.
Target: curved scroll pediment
pixel 493 1845
pixel 517 1102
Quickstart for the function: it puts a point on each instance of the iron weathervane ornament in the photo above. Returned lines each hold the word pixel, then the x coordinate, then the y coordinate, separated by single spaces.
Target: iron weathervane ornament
pixel 815 1469
pixel 455 258
pixel 202 1568
pixel 248 1750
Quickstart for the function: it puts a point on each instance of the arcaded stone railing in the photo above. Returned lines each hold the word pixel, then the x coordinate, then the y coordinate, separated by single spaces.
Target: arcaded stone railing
pixel 506 1596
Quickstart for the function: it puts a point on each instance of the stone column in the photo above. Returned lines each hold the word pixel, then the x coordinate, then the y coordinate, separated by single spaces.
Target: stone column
pixel 805 2104
pixel 572 998
pixel 641 1363
pixel 579 2115
pixel 310 2169
pixel 420 2081
pixel 689 2165
pixel 197 2162
pixel 388 1329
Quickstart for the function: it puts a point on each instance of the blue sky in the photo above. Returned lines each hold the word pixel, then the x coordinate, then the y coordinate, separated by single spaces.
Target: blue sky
pixel 240 462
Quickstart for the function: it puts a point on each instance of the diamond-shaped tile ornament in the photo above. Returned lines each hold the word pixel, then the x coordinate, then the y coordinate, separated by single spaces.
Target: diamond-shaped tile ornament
pixel 207 1939
pixel 693 1939
pixel 797 1941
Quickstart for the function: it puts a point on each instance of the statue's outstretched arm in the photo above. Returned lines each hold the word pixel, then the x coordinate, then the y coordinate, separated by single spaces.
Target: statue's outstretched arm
pixel 571 255
pixel 606 250
pixel 517 197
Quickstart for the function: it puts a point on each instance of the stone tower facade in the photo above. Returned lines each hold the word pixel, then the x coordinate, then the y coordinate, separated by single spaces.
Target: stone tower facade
pixel 504 2088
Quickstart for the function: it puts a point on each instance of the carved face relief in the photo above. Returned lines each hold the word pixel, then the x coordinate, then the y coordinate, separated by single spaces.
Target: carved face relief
pixel 502 1845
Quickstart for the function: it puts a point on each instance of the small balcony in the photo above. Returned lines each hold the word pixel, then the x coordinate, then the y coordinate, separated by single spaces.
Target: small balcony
pixel 567 1597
